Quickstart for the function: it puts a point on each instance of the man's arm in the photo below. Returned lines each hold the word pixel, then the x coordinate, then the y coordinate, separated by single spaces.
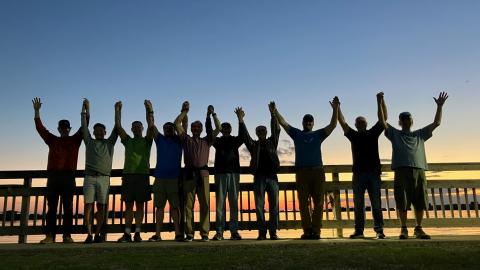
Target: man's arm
pixel 181 131
pixel 42 131
pixel 335 103
pixel 382 109
pixel 118 121
pixel 152 131
pixel 341 120
pixel 274 126
pixel 84 122
pixel 212 133
pixel 281 120
pixel 242 130
pixel 442 97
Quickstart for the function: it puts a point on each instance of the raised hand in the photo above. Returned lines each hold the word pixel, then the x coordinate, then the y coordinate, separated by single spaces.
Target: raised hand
pixel 240 113
pixel 442 97
pixel 380 95
pixel 118 106
pixel 86 105
pixel 185 106
pixel 148 105
pixel 210 110
pixel 335 103
pixel 272 107
pixel 37 104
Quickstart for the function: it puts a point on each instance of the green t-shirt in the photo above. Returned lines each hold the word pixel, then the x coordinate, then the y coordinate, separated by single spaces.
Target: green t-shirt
pixel 137 155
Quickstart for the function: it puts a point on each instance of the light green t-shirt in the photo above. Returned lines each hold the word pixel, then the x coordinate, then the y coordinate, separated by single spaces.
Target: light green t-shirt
pixel 137 155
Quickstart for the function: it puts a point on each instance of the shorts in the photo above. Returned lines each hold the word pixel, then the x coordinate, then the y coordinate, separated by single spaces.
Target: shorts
pixel 95 188
pixel 410 188
pixel 166 189
pixel 136 188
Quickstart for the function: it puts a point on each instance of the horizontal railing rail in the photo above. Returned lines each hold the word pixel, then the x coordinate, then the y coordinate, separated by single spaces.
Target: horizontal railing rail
pixel 452 203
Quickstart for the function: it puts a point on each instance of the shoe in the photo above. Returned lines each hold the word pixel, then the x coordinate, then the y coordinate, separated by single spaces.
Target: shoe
pixel 189 238
pixel 98 239
pixel 205 238
pixel 48 240
pixel 155 238
pixel 262 236
pixel 380 235
pixel 126 238
pixel 179 238
pixel 89 239
pixel 68 239
pixel 274 236
pixel 403 233
pixel 315 236
pixel 357 235
pixel 236 236
pixel 420 234
pixel 218 237
pixel 137 238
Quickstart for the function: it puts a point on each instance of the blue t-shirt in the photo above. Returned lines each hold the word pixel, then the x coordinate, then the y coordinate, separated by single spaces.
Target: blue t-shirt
pixel 169 157
pixel 307 146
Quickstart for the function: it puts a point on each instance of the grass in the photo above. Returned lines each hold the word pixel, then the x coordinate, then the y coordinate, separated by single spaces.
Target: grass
pixel 450 253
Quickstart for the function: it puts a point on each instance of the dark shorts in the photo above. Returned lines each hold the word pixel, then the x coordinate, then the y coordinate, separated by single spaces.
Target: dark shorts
pixel 410 188
pixel 136 188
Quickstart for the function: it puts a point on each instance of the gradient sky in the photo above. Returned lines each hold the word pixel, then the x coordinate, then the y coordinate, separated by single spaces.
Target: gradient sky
pixel 230 53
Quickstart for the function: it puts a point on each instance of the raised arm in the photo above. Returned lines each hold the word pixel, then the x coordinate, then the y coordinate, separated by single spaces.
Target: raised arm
pixel 181 131
pixel 341 120
pixel 242 129
pixel 211 112
pixel 335 103
pixel 442 97
pixel 152 131
pixel 44 133
pixel 118 121
pixel 281 120
pixel 274 126
pixel 382 110
pixel 84 122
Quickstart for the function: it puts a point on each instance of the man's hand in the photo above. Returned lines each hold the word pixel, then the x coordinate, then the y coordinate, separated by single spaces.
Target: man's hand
pixel 148 105
pixel 380 96
pixel 240 113
pixel 85 105
pixel 185 107
pixel 272 107
pixel 442 97
pixel 210 110
pixel 335 103
pixel 118 106
pixel 37 104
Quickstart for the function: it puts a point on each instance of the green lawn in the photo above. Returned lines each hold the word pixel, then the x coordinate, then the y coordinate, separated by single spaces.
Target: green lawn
pixel 446 253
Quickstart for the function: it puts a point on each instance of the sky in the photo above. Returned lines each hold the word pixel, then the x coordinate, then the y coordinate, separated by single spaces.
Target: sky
pixel 239 53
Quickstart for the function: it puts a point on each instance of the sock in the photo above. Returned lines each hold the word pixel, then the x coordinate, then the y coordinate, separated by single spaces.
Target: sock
pixel 128 230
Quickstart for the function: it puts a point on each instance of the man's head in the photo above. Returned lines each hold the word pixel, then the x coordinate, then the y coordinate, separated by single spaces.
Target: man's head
pixel 261 132
pixel 99 131
pixel 196 128
pixel 308 122
pixel 169 129
pixel 64 128
pixel 405 120
pixel 226 129
pixel 361 123
pixel 137 128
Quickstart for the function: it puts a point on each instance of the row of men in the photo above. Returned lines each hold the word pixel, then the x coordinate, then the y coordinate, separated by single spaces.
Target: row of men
pixel 408 162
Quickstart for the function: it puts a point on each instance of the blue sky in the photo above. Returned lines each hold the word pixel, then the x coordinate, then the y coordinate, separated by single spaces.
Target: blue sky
pixel 239 53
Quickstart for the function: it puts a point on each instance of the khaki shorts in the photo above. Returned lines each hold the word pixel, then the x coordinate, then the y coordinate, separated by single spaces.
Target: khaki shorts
pixel 165 190
pixel 410 188
pixel 95 188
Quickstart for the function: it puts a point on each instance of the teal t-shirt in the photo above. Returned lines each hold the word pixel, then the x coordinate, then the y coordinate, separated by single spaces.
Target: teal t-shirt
pixel 308 151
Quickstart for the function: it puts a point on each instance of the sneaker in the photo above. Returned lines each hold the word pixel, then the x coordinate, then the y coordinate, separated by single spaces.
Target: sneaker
pixel 137 238
pixel 262 236
pixel 189 238
pixel 274 236
pixel 126 238
pixel 315 236
pixel 204 238
pixel 89 239
pixel 155 238
pixel 380 235
pixel 98 239
pixel 236 236
pixel 420 234
pixel 218 237
pixel 47 240
pixel 357 235
pixel 179 238
pixel 403 233
pixel 67 239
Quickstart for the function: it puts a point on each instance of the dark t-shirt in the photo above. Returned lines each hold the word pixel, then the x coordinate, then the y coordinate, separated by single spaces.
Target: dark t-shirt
pixel 265 163
pixel 226 154
pixel 365 149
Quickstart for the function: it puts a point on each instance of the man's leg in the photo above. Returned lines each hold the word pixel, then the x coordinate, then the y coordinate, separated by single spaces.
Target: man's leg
pixel 99 217
pixel 374 193
pixel 52 202
pixel 220 194
pixel 203 194
pixel 317 187
pixel 189 195
pixel 259 194
pixel 88 217
pixel 67 201
pixel 272 191
pixel 160 200
pixel 233 190
pixel 402 201
pixel 128 216
pixel 358 186
pixel 420 201
pixel 303 195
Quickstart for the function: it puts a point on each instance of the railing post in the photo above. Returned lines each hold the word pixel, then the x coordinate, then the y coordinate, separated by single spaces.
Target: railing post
pixel 25 213
pixel 337 204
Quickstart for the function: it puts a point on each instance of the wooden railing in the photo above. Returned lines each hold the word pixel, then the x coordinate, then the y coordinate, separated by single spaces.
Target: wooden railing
pixel 453 203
